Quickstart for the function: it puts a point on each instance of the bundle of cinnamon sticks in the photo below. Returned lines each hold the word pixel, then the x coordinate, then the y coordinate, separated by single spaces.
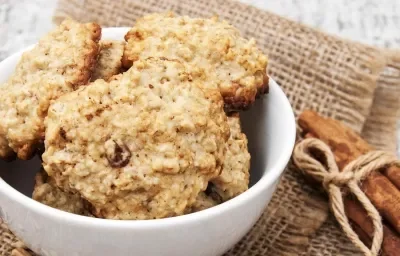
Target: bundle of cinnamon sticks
pixel 381 187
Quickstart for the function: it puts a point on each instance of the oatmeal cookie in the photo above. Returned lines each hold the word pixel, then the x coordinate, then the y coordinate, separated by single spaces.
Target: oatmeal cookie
pixel 61 62
pixel 215 48
pixel 141 146
pixel 234 178
pixel 6 153
pixel 109 60
pixel 47 192
pixel 202 202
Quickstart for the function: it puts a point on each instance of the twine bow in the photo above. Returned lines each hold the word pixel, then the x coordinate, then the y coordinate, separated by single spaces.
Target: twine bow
pixel 350 177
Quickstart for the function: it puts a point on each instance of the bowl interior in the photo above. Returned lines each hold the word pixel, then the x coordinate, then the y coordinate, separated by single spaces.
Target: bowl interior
pixel 269 126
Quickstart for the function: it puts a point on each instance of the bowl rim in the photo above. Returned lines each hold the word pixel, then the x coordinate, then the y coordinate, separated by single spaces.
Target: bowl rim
pixel 266 181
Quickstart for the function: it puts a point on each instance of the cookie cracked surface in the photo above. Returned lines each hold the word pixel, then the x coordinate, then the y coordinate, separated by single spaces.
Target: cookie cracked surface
pixel 109 62
pixel 202 202
pixel 62 61
pixel 141 146
pixel 47 192
pixel 217 51
pixel 234 178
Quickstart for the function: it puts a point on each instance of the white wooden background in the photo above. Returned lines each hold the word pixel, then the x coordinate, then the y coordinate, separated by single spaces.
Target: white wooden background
pixel 376 22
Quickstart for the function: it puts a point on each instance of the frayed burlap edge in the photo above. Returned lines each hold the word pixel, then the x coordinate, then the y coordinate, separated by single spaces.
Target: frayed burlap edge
pixel 380 127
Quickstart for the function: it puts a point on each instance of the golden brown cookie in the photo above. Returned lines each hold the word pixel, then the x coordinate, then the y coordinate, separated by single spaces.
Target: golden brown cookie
pixel 141 146
pixel 109 61
pixel 62 61
pixel 214 48
pixel 47 192
pixel 234 178
pixel 202 202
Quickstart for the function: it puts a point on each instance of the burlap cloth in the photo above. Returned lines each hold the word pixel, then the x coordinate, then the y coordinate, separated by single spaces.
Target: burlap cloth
pixel 337 78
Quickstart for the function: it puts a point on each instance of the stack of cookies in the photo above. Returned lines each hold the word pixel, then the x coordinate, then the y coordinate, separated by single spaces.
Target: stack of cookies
pixel 147 128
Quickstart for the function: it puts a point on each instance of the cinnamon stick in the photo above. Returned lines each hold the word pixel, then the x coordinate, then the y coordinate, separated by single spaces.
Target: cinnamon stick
pixel 356 213
pixel 393 174
pixel 346 145
pixel 361 234
pixel 364 237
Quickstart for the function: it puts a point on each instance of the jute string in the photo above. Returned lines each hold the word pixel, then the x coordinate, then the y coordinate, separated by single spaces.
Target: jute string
pixel 351 175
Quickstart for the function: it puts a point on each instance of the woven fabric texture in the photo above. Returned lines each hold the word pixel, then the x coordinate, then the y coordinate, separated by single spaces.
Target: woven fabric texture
pixel 335 77
pixel 380 126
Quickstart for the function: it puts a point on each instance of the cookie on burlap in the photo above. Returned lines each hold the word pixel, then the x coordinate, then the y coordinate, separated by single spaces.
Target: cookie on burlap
pixel 213 47
pixel 46 192
pixel 141 146
pixel 61 62
pixel 109 61
pixel 234 177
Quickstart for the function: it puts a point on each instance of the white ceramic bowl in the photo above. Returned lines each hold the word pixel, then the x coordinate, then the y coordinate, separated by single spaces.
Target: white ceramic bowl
pixel 270 127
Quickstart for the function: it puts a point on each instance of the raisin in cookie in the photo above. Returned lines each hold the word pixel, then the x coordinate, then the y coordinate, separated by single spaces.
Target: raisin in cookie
pixel 109 61
pixel 62 61
pixel 234 178
pixel 141 146
pixel 215 48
